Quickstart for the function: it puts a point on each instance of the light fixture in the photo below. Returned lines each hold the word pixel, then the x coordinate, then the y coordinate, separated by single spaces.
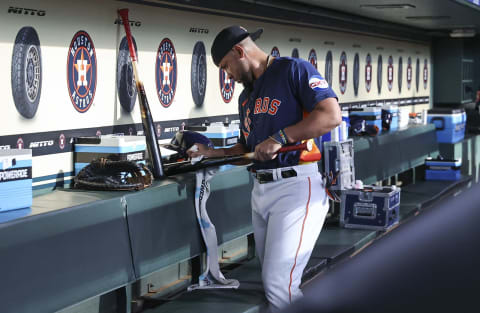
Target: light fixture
pixel 388 6
pixel 428 17
pixel 463 33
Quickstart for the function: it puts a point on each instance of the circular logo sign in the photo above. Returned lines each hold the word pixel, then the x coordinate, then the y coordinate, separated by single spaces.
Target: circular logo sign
pixel 312 58
pixel 81 71
pixel 295 53
pixel 400 74
pixel 390 73
pixel 343 72
pixel 368 72
pixel 425 74
pixel 417 74
pixel 227 86
pixel 356 73
pixel 409 73
pixel 329 67
pixel 20 143
pixel 275 52
pixel 61 141
pixel 166 72
pixel 379 73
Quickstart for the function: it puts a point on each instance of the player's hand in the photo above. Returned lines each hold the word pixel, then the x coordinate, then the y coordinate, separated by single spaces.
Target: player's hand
pixel 201 150
pixel 267 150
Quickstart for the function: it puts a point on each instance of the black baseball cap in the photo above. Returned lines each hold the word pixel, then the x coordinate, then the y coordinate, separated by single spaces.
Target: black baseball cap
pixel 228 38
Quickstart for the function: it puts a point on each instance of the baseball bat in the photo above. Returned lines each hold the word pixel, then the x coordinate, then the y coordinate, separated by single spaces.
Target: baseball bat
pixel 147 121
pixel 187 166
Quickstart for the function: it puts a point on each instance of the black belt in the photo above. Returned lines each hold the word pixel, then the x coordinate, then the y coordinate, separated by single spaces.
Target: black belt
pixel 266 177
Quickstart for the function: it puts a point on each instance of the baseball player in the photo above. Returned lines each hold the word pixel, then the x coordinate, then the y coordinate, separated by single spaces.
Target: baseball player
pixel 285 101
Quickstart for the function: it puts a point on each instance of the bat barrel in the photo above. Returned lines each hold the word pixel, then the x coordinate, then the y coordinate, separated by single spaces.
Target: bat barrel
pixel 124 16
pixel 147 120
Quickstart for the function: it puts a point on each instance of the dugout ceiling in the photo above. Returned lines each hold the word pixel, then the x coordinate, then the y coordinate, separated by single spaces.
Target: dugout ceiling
pixel 417 20
pixel 434 16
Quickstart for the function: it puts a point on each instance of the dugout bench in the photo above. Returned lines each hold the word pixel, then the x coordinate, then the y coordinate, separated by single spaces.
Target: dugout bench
pixel 72 246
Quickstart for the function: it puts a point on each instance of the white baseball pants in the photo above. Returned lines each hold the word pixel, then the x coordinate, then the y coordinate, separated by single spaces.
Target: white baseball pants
pixel 287 216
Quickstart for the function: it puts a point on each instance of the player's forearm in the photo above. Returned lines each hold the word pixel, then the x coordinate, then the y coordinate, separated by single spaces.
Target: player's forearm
pixel 320 121
pixel 234 150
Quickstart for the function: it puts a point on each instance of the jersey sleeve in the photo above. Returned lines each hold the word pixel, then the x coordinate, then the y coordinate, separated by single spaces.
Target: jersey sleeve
pixel 309 85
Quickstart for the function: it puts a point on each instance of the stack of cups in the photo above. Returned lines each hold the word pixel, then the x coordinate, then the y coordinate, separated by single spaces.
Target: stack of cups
pixel 340 133
pixel 343 131
pixel 424 116
pixel 335 135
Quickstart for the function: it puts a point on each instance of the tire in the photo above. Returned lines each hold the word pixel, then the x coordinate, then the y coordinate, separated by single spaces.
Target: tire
pixel 295 53
pixel 198 74
pixel 126 89
pixel 400 74
pixel 329 68
pixel 26 72
pixel 417 74
pixel 379 74
pixel 356 73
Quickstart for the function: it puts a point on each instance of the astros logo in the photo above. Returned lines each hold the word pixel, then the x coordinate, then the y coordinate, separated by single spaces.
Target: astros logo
pixel 166 72
pixel 227 86
pixel 390 73
pixel 409 73
pixel 368 73
pixel 61 141
pixel 81 71
pixel 312 58
pixel 275 52
pixel 20 143
pixel 425 74
pixel 343 72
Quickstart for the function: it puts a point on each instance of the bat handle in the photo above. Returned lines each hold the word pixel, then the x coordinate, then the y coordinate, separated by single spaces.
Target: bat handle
pixel 124 16
pixel 307 145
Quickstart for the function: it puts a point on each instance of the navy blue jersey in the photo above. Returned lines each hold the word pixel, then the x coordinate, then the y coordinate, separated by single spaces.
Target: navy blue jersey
pixel 288 89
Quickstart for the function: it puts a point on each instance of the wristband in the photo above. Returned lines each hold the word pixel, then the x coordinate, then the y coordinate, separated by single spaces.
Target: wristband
pixel 280 137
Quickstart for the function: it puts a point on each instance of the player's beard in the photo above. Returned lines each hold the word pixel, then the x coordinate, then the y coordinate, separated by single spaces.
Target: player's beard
pixel 247 80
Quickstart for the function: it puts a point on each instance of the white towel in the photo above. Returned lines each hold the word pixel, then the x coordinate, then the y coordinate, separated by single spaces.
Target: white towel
pixel 212 278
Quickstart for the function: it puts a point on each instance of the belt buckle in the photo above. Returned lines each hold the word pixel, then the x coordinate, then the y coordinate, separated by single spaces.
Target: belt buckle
pixel 264 177
pixel 289 173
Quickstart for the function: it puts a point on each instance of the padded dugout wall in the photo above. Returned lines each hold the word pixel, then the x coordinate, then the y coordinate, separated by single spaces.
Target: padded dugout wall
pixel 55 121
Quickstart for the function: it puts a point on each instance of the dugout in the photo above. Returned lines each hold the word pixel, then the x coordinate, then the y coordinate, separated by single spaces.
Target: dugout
pixel 98 251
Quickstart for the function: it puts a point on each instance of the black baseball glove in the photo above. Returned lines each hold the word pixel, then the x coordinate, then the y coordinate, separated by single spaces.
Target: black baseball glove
pixel 104 174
